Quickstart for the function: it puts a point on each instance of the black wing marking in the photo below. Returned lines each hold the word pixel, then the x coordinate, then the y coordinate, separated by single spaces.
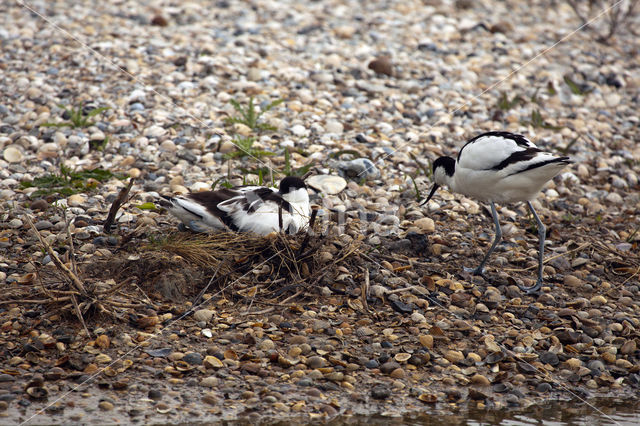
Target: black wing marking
pixel 210 200
pixel 253 199
pixel 516 157
pixel 563 160
pixel 518 139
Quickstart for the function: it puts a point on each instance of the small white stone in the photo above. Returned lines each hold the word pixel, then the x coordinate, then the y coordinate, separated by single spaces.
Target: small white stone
pixel 384 128
pixel 417 317
pixel 299 130
pixel 200 186
pixel 12 154
pixel 76 200
pixel 204 315
pixel 253 74
pixel 614 198
pixel 168 145
pixel 334 126
pixel 98 135
pixel 327 184
pixel 154 132
pixel 425 224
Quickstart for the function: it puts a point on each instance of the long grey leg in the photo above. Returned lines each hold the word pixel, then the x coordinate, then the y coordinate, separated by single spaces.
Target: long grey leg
pixel 480 269
pixel 542 233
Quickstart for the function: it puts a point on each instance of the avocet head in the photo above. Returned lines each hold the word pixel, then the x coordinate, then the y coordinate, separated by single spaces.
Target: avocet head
pixel 293 189
pixel 443 170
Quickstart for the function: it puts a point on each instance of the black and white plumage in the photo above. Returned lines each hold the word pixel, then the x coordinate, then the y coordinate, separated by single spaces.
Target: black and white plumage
pixel 500 167
pixel 256 209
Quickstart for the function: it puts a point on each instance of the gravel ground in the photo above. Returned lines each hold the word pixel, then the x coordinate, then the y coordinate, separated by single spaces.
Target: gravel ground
pixel 382 320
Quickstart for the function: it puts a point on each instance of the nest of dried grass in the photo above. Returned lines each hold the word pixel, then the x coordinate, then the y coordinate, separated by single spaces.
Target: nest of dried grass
pixel 152 272
pixel 253 266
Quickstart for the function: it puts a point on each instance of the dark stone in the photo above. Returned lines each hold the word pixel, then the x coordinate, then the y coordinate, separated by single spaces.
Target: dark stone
pixel 476 395
pixel 401 307
pixel 549 358
pixel 372 363
pixel 494 357
pixel 155 394
pixel 389 366
pixel 193 358
pixel 544 387
pixel 380 392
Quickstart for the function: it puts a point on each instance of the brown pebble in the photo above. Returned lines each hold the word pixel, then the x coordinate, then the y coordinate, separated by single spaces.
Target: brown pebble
pixel 382 65
pixel 503 27
pixel 210 398
pixel 398 373
pixel 159 21
pixel 572 281
pixel 623 363
pixel 39 204
pixel 298 340
pixel 105 406
pixel 628 347
pixel 102 341
pixel 426 341
pixel 464 4
pixel 609 357
pixel 316 362
pixel 454 356
pixel 479 379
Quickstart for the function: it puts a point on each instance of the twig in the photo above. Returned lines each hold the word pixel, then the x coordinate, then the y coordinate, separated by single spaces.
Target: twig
pixel 293 296
pixel 119 201
pixel 36 301
pixel 305 241
pixel 400 290
pixel 79 314
pixel 127 305
pixel 262 312
pixel 116 288
pixel 399 259
pixel 72 257
pixel 74 278
pixel 365 290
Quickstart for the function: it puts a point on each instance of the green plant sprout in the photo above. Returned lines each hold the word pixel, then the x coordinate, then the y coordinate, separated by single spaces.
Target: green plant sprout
pixel 298 171
pixel 505 104
pixel 577 89
pixel 244 145
pixel 68 182
pixel 77 118
pixel 537 121
pixel 250 116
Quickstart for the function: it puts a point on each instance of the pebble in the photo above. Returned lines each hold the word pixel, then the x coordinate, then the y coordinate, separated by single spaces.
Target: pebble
pixel 425 225
pixel 12 154
pixel 382 65
pixel 203 315
pixel 316 362
pixel 76 200
pixel 193 358
pixel 358 169
pixel 327 184
pixel 210 382
pixel 105 405
pixel 389 366
pixel 454 356
pixel 15 224
pixel 333 126
pixel 380 392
